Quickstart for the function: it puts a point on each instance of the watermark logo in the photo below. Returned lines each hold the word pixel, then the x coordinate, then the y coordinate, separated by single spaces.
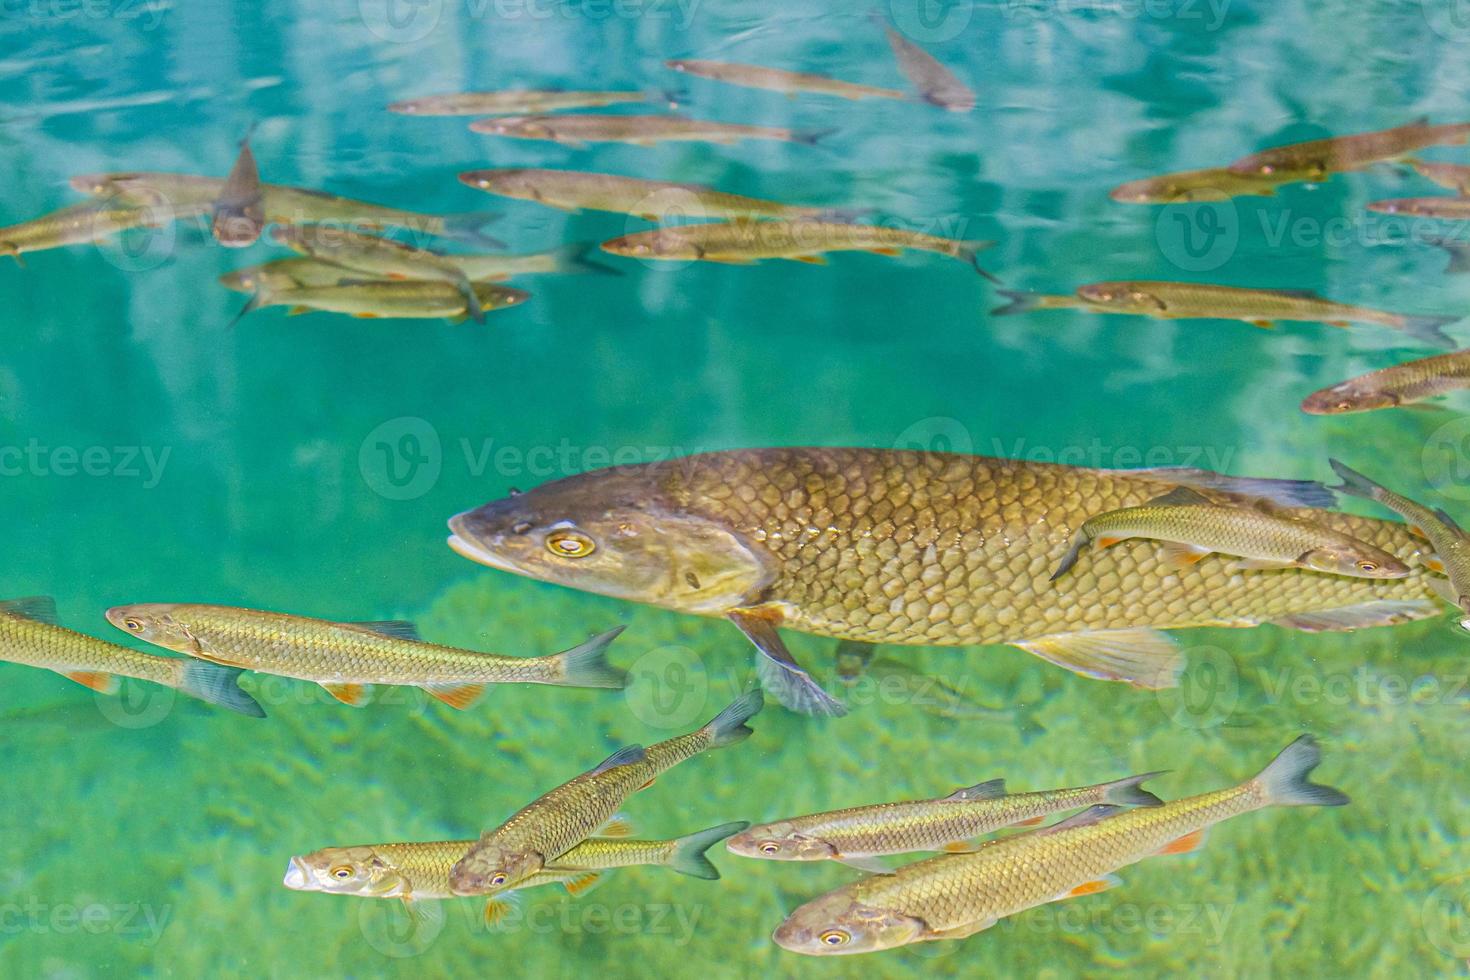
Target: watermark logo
pixel 1445 916
pixel 136 704
pixel 1446 459
pixel 931 21
pixel 400 21
pixel 1450 19
pixel 1198 237
pixel 394 930
pixel 936 434
pixel 402 458
pixel 668 687
pixel 1207 693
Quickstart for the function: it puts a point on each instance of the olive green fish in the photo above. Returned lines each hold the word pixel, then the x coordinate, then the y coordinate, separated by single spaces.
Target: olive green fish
pixel 780 80
pixel 655 200
pixel 29 635
pixel 575 131
pixel 744 242
pixel 81 224
pixel 539 834
pixel 398 298
pixel 935 83
pixel 957 895
pixel 1315 159
pixel 1217 184
pixel 1402 384
pixel 516 102
pixel 1443 207
pixel 1455 176
pixel 919 548
pixel 345 658
pixel 1190 526
pixel 1450 542
pixel 948 823
pixel 239 211
pixel 1206 301
pixel 381 257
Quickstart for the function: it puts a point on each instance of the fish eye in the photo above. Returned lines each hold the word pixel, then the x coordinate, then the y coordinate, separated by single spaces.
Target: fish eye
pixel 1367 565
pixel 342 871
pixel 132 625
pixel 1344 405
pixel 570 544
pixel 834 937
pixel 498 878
pixel 770 847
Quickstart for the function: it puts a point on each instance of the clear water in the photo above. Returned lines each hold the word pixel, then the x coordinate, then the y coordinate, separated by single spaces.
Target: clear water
pixel 308 464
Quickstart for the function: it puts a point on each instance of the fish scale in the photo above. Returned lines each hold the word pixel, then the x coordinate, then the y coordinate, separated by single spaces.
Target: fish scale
pixel 37 644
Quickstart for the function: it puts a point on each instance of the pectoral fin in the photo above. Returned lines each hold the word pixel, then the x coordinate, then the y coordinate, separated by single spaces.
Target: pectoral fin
pixel 353 694
pixel 1143 657
pixel 1092 887
pixel 1182 555
pixel 1444 590
pixel 1378 612
pixel 1187 844
pixel 780 675
pixel 96 680
pixel 959 932
pixel 869 864
pixel 582 883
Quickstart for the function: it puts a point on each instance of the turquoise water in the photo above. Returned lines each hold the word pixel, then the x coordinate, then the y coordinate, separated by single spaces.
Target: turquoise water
pixel 308 464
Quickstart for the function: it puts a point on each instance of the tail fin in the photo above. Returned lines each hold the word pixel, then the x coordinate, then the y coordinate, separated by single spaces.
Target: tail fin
pixel 586 665
pixel 810 137
pixel 1020 302
pixel 1354 483
pixel 1459 253
pixel 969 252
pixel 1283 493
pixel 256 301
pixel 1285 779
pixel 688 857
pixel 470 228
pixel 219 685
pixel 577 257
pixel 729 726
pixel 1079 541
pixel 1427 329
pixel 1129 792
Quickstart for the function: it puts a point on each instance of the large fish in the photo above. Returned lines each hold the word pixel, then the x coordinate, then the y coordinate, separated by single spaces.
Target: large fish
pixel 919 548
pixel 345 658
pixel 1402 384
pixel 639 130
pixel 958 895
pixel 780 79
pixel 29 635
pixel 1318 158
pixel 540 833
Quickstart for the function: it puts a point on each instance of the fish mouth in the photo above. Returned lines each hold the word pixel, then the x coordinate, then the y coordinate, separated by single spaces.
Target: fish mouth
pixel 475 552
pixel 297 879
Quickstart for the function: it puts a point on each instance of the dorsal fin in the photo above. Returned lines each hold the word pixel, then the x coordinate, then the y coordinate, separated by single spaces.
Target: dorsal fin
pixel 625 756
pixel 399 629
pixel 1086 818
pixel 1178 497
pixel 991 789
pixel 41 608
pixel 1449 521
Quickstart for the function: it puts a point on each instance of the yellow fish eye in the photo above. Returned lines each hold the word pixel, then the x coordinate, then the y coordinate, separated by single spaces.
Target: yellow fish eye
pixel 498 878
pixel 133 625
pixel 570 544
pixel 770 847
pixel 342 871
pixel 834 937
pixel 1367 565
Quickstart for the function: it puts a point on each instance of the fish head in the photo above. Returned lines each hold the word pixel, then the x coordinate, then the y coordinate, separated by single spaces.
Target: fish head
pixel 492 869
pixel 345 871
pixel 499 297
pixel 1352 395
pixel 780 841
pixel 155 623
pixel 837 924
pixel 532 127
pixel 233 229
pixel 1121 297
pixel 1171 189
pixel 656 244
pixel 1359 562
pixel 409 107
pixel 95 184
pixel 514 181
pixel 242 280
pixel 617 532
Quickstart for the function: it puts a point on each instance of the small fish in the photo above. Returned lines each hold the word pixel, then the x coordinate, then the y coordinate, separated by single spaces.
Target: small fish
pixel 1402 384
pixel 1192 527
pixel 515 102
pixel 1217 184
pixel 957 895
pixel 1443 207
pixel 639 130
pixel 29 635
pixel 539 834
pixel 420 872
pixel 81 224
pixel 380 257
pixel 1451 544
pixel 935 83
pixel 780 80
pixel 947 823
pixel 408 299
pixel 1206 301
pixel 239 211
pixel 1455 176
pixel 1315 159
pixel 344 658
pixel 854 662
pixel 744 242
pixel 654 200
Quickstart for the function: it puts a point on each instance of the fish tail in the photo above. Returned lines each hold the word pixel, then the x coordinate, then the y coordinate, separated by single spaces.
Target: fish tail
pixel 470 228
pixel 1080 540
pixel 578 257
pixel 586 665
pixel 218 685
pixel 1427 329
pixel 689 851
pixel 1284 493
pixel 729 726
pixel 1130 792
pixel 970 251
pixel 811 137
pixel 1285 783
pixel 1459 253
pixel 1354 483
pixel 1020 302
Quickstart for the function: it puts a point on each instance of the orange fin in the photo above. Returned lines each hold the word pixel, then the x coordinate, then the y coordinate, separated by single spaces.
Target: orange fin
pixel 886 250
pixel 1106 542
pixel 1264 324
pixel 618 826
pixel 352 694
pixel 96 680
pixel 1028 822
pixel 298 310
pixel 1339 323
pixel 1432 563
pixel 647 784
pixel 366 316
pixel 810 259
pixel 1418 531
pixel 582 883
pixel 1093 887
pixel 1187 844
pixel 457 696
pixel 958 847
pixel 1182 555
pixel 496 909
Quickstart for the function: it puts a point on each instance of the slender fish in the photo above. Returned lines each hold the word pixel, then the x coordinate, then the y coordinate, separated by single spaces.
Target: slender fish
pixel 957 895
pixel 1191 526
pixel 1442 206
pixel 239 211
pixel 80 224
pixel 411 299
pixel 1318 158
pixel 945 824
pixel 919 548
pixel 1450 542
pixel 1216 184
pixel 540 833
pixel 638 130
pixel 780 80
pixel 517 102
pixel 1401 384
pixel 29 635
pixel 1455 176
pixel 345 658
pixel 935 83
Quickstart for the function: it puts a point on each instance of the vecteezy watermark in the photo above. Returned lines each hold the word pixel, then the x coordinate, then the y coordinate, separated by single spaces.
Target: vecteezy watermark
pixel 410 21
pixel 1450 19
pixel 1445 917
pixel 1210 14
pixel 1446 459
pixel 1198 237
pixel 931 21
pixel 149 12
pixel 1206 921
pixel 1364 686
pixel 668 687
pixel 675 921
pixel 135 920
pixel 1207 692
pixel 1098 454
pixel 35 458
